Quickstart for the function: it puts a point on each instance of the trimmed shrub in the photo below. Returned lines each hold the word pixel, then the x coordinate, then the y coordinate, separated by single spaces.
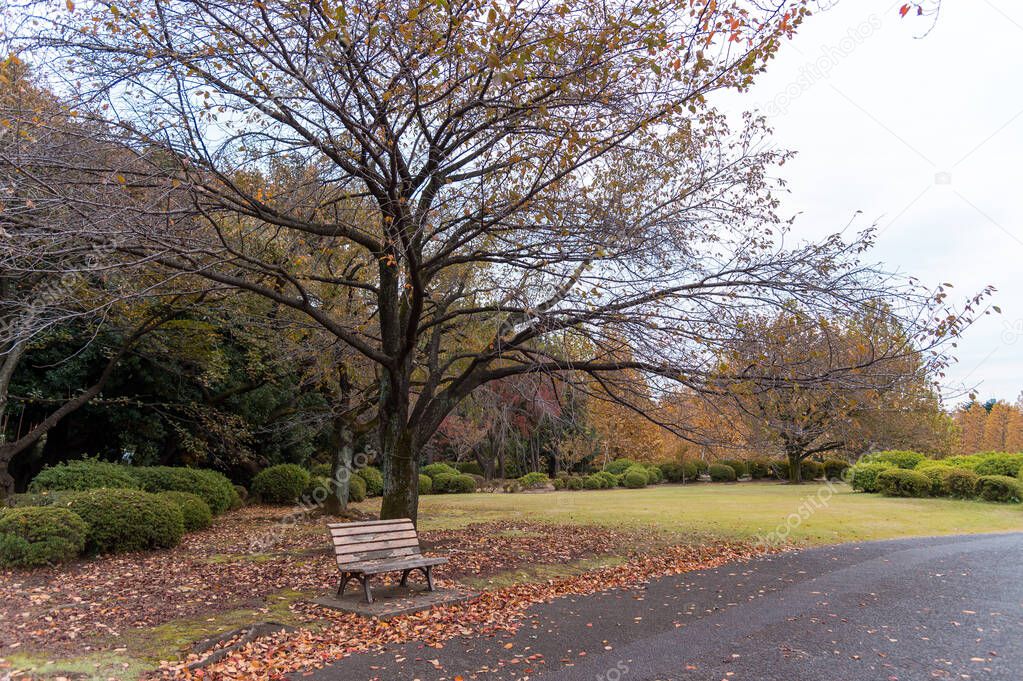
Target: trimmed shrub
pixel 960 483
pixel 215 489
pixel 900 482
pixel 40 535
pixel 936 474
pixel 443 481
pixel 469 468
pixel 126 520
pixel 356 489
pixel 898 458
pixel 722 473
pixel 462 484
pixel 478 479
pixel 779 468
pixel 1000 488
pixel 374 480
pixel 534 480
pixel 702 467
pixel 740 467
pixel 425 484
pixel 594 482
pixel 810 470
pixel 635 477
pixel 672 471
pixel 195 512
pixel 864 476
pixel 85 474
pixel 281 484
pixel 619 466
pixel 560 483
pixel 608 480
pixel 320 470
pixel 574 483
pixel 1000 463
pixel 654 475
pixel 435 469
pixel 35 499
pixel 453 483
pixel 759 469
pixel 241 494
pixel 834 469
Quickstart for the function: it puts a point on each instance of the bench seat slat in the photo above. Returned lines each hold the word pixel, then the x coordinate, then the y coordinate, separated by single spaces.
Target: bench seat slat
pixel 376 546
pixel 348 529
pixel 375 567
pixel 369 556
pixel 373 536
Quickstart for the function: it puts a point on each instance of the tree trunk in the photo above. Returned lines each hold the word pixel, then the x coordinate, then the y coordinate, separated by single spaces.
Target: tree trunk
pixel 398 450
pixel 341 468
pixel 343 441
pixel 795 470
pixel 6 481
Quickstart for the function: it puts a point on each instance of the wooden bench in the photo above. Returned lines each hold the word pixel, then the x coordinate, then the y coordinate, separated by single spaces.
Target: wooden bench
pixel 370 548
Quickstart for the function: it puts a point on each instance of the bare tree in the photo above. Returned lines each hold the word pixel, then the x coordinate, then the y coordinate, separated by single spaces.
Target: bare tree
pixel 506 188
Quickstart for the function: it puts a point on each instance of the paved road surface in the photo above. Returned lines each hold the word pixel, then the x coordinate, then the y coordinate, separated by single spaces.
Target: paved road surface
pixel 904 610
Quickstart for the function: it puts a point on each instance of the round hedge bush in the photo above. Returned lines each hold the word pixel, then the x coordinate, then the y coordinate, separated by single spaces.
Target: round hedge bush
pixel 759 469
pixel 40 535
pixel 469 468
pixel 425 484
pixel 593 482
pixel 721 473
pixel 195 512
pixel 1000 488
pixel 1000 463
pixel 462 484
pixel 574 483
pixel 898 458
pixel 672 471
pixel 36 499
pixel 435 469
pixel 213 487
pixel 281 484
pixel 126 520
pixel 834 469
pixel 85 474
pixel 900 482
pixel 321 470
pixel 936 474
pixel 960 483
pixel 356 488
pixel 619 466
pixel 534 480
pixel 442 482
pixel 739 467
pixel 636 477
pixel 374 480
pixel 864 476
pixel 810 470
pixel 654 475
pixel 607 480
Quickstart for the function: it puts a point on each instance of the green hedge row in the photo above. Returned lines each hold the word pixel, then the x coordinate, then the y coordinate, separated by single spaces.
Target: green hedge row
pixel 991 476
pixel 84 474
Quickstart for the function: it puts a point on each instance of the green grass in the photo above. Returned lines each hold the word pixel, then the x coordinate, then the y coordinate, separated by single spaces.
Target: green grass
pixel 833 514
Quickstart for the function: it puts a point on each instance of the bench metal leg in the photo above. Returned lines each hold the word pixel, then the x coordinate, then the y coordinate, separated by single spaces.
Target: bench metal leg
pixel 345 578
pixel 365 588
pixel 429 577
pixel 404 577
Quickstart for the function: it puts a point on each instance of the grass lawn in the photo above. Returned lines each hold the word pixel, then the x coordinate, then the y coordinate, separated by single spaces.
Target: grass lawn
pixel 833 513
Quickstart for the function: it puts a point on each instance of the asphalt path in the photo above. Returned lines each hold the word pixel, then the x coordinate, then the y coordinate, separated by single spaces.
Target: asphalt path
pixel 902 610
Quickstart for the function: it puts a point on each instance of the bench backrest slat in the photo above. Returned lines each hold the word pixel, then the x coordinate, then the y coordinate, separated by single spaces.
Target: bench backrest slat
pixel 373 540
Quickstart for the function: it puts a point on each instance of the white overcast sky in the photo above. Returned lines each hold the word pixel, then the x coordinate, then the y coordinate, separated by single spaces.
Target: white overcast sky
pixel 925 137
